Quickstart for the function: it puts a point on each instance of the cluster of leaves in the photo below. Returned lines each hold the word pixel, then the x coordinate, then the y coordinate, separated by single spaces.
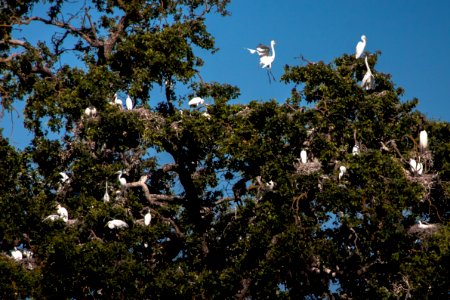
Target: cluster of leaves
pixel 232 215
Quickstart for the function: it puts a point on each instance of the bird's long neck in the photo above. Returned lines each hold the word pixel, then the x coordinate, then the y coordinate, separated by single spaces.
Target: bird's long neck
pixel 273 50
pixel 367 64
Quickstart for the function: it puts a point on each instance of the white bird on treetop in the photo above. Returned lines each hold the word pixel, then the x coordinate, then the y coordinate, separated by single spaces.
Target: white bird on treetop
pixel 117 100
pixel 16 254
pixel 303 156
pixel 265 60
pixel 196 101
pixel 355 150
pixel 368 82
pixel 360 46
pixel 90 111
pixel 342 170
pixel 423 140
pixel 62 212
pixel 147 219
pixel 123 181
pixel 64 178
pixel 116 224
pixel 129 103
pixel 52 217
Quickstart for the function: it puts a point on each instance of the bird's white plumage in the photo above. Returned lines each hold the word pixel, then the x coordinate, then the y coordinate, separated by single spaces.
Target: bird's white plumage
pixel 423 140
pixel 342 170
pixel 416 167
pixel 270 185
pixel 90 111
pixel 355 150
pixel 62 212
pixel 123 181
pixel 117 100
pixel 196 101
pixel 303 156
pixel 106 197
pixel 64 177
pixel 16 254
pixel 426 226
pixel 52 217
pixel 368 82
pixel 129 103
pixel 265 58
pixel 147 219
pixel 116 224
pixel 360 46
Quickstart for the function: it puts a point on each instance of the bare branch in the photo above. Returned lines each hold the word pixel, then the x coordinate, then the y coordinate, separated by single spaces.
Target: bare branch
pixel 152 198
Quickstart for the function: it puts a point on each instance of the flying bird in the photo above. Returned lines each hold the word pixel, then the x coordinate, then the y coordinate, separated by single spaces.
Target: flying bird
pixel 360 46
pixel 196 101
pixel 265 59
pixel 368 82
pixel 129 103
pixel 303 156
pixel 423 140
pixel 116 224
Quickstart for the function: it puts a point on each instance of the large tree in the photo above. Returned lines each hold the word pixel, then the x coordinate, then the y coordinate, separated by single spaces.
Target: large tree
pixel 236 212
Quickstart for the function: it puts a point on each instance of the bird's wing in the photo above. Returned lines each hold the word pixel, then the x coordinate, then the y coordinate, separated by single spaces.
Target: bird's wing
pixel 263 50
pixel 252 51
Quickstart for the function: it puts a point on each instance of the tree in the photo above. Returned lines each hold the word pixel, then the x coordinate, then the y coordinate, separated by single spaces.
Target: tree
pixel 235 213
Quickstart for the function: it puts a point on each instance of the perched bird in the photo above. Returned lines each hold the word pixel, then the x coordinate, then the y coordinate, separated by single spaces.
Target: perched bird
pixel 426 226
pixel 360 46
pixel 196 101
pixel 90 111
pixel 62 212
pixel 206 115
pixel 355 150
pixel 129 103
pixel 303 156
pixel 147 219
pixel 117 100
pixel 123 181
pixel 265 59
pixel 16 254
pixel 116 224
pixel 106 195
pixel 342 171
pixel 64 177
pixel 423 140
pixel 368 82
pixel 270 185
pixel 416 168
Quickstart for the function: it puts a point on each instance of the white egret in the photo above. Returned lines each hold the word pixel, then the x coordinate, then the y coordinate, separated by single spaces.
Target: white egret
pixel 303 156
pixel 16 254
pixel 62 212
pixel 117 100
pixel 90 111
pixel 355 150
pixel 123 181
pixel 147 219
pixel 423 140
pixel 106 195
pixel 28 254
pixel 342 171
pixel 368 82
pixel 64 177
pixel 129 103
pixel 270 185
pixel 116 224
pixel 360 46
pixel 265 60
pixel 426 226
pixel 416 168
pixel 196 101
pixel 206 115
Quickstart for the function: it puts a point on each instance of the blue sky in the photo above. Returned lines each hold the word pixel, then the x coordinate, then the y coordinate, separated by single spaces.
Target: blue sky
pixel 413 36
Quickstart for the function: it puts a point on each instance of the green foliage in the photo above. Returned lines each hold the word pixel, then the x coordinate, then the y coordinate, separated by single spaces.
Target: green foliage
pixel 235 213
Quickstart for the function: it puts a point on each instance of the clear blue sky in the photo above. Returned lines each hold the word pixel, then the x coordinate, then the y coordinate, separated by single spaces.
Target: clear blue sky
pixel 413 36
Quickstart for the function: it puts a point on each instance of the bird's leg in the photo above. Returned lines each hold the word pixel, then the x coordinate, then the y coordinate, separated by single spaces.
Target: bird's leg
pixel 273 77
pixel 268 74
